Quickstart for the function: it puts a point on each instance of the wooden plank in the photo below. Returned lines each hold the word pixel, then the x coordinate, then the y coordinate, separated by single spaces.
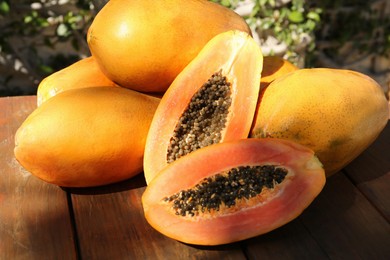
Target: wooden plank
pixel 291 241
pixel 111 225
pixel 371 172
pixel 342 222
pixel 34 216
pixel 345 224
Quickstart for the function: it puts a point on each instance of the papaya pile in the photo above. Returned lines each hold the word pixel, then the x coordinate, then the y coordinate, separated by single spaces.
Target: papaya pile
pixel 232 144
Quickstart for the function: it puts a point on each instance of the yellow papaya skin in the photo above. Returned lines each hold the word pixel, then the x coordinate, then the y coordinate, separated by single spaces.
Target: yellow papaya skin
pixel 274 67
pixel 81 74
pixel 337 113
pixel 86 137
pixel 144 45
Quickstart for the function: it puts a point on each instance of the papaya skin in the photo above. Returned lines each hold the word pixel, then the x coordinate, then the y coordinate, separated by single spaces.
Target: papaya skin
pixel 274 208
pixel 81 74
pixel 274 67
pixel 337 113
pixel 237 55
pixel 143 45
pixel 86 137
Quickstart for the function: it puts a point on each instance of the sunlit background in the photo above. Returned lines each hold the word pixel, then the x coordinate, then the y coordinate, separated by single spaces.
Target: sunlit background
pixel 40 37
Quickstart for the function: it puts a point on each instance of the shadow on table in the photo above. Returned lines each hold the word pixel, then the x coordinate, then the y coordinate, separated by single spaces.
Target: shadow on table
pixel 129 184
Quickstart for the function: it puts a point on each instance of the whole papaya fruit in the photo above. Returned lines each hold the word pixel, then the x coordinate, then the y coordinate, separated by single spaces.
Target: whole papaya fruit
pixel 86 137
pixel 81 74
pixel 274 67
pixel 143 45
pixel 337 113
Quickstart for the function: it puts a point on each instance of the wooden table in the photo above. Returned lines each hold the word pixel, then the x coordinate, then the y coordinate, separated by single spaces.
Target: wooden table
pixel 348 220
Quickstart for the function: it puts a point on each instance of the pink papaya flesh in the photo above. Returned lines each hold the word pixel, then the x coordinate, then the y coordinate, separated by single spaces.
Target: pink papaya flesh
pixel 232 191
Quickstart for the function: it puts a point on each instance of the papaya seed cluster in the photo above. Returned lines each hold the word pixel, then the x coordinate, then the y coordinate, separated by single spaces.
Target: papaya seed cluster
pixel 224 189
pixel 203 120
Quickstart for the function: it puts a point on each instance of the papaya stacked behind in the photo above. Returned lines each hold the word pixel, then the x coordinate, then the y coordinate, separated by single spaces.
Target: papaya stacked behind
pixel 81 74
pixel 86 137
pixel 274 67
pixel 337 113
pixel 143 45
pixel 212 100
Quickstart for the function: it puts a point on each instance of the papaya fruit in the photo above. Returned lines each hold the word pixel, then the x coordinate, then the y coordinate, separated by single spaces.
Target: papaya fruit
pixel 81 74
pixel 143 45
pixel 232 191
pixel 274 67
pixel 86 137
pixel 212 100
pixel 337 113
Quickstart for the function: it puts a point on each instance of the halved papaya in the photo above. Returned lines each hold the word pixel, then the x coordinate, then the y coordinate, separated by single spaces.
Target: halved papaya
pixel 233 191
pixel 212 100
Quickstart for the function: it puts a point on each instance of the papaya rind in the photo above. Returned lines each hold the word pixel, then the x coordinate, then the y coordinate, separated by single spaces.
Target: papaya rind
pixel 304 182
pixel 240 59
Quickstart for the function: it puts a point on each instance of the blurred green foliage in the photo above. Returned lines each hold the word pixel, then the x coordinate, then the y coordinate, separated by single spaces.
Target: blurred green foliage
pixel 364 23
pixel 291 22
pixel 39 37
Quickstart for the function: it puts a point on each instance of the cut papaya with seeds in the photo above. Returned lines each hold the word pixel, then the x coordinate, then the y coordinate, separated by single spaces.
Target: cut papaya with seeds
pixel 212 100
pixel 232 191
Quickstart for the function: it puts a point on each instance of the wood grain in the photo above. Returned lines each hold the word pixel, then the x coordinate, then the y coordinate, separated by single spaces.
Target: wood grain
pixel 291 241
pixel 34 216
pixel 370 172
pixel 348 220
pixel 111 224
pixel 345 224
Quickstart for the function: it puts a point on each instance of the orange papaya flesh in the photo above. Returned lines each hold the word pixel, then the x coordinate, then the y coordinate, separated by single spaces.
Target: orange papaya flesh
pixel 81 74
pixel 337 113
pixel 143 45
pixel 212 100
pixel 232 191
pixel 86 137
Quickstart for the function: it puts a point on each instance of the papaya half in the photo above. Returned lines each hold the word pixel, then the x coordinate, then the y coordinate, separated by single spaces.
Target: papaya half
pixel 337 113
pixel 86 137
pixel 212 100
pixel 143 45
pixel 81 74
pixel 232 191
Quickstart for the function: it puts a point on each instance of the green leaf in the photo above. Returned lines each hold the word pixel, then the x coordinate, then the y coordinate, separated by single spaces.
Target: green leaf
pixel 62 30
pixel 295 17
pixel 314 16
pixel 310 25
pixel 46 69
pixel 28 19
pixel 42 22
pixel 4 7
pixel 225 3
